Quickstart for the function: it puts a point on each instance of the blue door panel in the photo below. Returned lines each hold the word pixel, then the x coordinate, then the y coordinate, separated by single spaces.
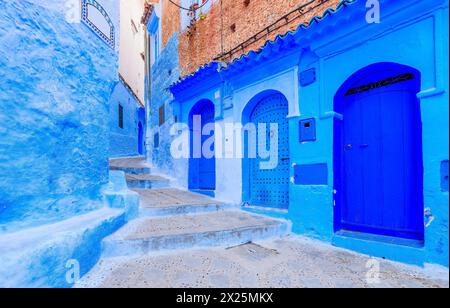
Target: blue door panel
pixel 202 171
pixel 140 139
pixel 380 140
pixel 270 188
pixel 207 166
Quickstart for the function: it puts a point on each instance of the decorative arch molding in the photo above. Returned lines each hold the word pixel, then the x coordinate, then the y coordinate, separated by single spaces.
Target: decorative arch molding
pixel 380 74
pixel 97 19
pixel 255 100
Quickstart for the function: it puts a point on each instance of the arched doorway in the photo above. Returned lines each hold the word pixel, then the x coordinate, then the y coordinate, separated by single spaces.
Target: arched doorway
pixel 378 165
pixel 267 187
pixel 202 165
pixel 140 139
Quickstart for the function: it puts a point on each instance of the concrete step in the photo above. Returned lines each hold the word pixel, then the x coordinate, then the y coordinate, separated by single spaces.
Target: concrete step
pixel 171 201
pixel 136 165
pixel 228 228
pixel 146 181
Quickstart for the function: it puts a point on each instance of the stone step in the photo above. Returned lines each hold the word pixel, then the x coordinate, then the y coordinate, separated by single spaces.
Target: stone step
pixel 146 181
pixel 228 228
pixel 171 201
pixel 136 165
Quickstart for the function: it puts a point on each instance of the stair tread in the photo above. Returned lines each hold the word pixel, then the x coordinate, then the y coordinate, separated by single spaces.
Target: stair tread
pixel 172 197
pixel 148 227
pixel 136 162
pixel 145 177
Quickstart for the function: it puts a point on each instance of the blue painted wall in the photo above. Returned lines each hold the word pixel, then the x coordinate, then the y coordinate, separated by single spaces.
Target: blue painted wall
pixel 124 142
pixel 165 71
pixel 418 29
pixel 56 80
pixel 422 41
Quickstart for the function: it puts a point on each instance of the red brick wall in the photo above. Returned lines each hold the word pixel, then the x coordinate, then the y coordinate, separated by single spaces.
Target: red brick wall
pixel 204 43
pixel 171 21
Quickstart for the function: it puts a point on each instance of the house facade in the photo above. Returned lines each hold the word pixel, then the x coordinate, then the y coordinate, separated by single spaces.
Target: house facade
pixel 358 102
pixel 127 122
pixel 127 108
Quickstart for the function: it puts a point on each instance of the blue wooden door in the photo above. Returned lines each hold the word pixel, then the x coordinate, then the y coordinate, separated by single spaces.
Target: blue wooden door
pixel 382 172
pixel 140 139
pixel 202 170
pixel 270 187
pixel 207 166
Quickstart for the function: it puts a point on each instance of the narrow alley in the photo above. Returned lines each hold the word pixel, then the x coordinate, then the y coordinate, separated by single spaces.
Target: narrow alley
pixel 208 144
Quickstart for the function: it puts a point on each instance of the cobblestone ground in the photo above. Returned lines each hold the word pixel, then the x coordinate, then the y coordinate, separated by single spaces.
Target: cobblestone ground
pixel 289 262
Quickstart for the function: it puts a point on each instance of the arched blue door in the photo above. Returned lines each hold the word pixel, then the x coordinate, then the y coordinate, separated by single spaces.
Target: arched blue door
pixel 378 148
pixel 202 168
pixel 140 139
pixel 270 187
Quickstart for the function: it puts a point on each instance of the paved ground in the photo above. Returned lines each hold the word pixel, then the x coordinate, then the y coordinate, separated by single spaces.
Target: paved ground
pixel 166 222
pixel 289 262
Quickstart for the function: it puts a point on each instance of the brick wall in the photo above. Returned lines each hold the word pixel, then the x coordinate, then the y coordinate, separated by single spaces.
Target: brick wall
pixel 202 44
pixel 171 21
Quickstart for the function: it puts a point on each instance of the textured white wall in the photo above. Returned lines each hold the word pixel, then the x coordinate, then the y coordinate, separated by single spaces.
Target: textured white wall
pixel 132 45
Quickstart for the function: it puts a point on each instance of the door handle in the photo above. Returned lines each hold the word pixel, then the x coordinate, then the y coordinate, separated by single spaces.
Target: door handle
pixel 363 146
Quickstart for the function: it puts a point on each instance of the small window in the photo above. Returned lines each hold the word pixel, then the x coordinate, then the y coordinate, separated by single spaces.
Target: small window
pixel 120 116
pixel 162 115
pixel 156 140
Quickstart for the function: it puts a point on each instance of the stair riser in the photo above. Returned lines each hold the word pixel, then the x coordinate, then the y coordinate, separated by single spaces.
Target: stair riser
pixel 144 184
pixel 112 248
pixel 184 210
pixel 132 170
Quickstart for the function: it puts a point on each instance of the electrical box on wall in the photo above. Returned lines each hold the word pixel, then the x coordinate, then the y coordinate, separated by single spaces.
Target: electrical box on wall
pixel 309 175
pixel 308 77
pixel 308 130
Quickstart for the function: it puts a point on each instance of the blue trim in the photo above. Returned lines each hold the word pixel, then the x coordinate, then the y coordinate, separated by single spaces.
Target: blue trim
pixel 153 23
pixel 110 41
pixel 205 77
